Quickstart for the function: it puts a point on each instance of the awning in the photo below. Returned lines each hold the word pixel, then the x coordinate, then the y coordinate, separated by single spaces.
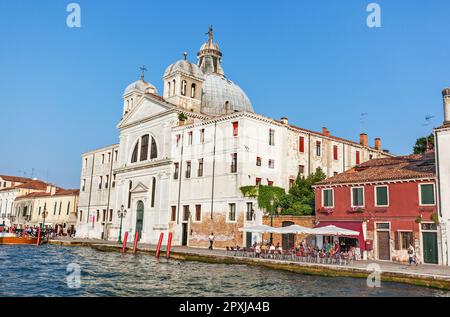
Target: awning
pixel 350 225
pixel 296 229
pixel 260 229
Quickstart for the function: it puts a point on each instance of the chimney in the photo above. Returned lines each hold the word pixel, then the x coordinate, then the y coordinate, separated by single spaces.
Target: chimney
pixel 326 132
pixel 378 144
pixel 284 120
pixel 363 139
pixel 446 97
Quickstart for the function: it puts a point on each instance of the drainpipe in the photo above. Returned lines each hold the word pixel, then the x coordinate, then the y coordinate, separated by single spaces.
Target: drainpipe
pixel 213 171
pixel 309 154
pixel 90 192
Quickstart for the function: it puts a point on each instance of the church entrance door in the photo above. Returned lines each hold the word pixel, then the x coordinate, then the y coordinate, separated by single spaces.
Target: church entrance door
pixel 139 218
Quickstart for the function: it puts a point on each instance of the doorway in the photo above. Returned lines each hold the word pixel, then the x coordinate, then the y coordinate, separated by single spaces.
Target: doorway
pixel 139 218
pixel 430 247
pixel 248 239
pixel 383 245
pixel 288 239
pixel 184 237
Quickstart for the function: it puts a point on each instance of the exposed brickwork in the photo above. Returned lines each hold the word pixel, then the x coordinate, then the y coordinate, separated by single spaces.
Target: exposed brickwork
pixel 305 221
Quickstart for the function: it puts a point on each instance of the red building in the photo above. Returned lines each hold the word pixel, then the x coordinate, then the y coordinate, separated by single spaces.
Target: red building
pixel 390 201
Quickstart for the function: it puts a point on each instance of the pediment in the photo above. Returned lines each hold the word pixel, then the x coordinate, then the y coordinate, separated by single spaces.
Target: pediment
pixel 139 188
pixel 145 108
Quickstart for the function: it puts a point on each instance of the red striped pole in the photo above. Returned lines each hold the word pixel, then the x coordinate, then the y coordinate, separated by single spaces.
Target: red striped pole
pixel 169 245
pixel 158 249
pixel 136 238
pixel 125 238
pixel 39 237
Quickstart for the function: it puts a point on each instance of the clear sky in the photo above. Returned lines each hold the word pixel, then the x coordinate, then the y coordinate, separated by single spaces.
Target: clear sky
pixel 315 62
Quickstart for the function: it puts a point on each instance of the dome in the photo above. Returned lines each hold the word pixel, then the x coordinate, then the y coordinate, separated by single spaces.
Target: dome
pixel 141 86
pixel 221 96
pixel 184 67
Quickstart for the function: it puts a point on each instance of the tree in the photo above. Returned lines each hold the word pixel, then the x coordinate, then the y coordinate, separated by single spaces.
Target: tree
pixel 421 144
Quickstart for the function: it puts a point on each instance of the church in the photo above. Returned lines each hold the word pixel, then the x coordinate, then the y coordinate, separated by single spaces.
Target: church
pixel 183 156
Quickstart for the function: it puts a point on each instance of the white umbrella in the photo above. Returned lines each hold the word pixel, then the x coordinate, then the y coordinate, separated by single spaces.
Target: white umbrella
pixel 296 229
pixel 334 231
pixel 260 229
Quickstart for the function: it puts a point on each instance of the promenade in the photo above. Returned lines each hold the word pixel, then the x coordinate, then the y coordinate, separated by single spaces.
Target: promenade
pixel 436 276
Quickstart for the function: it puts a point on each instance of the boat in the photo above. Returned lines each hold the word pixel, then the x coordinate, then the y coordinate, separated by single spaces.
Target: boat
pixel 13 239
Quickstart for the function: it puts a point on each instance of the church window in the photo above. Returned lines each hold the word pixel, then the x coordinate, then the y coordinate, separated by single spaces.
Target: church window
pixel 190 137
pixel 68 208
pixel 81 215
pixel 106 181
pixel 153 150
pixel 271 164
pixel 178 140
pixel 129 193
pixel 183 88
pixel 134 156
pixel 144 147
pixel 113 181
pixel 100 181
pixel 173 87
pixel 193 86
pixel 153 192
pixel 168 89
pixel 173 216
pixel 258 161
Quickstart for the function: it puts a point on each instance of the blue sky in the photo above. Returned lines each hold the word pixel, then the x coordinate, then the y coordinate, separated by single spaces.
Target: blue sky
pixel 315 62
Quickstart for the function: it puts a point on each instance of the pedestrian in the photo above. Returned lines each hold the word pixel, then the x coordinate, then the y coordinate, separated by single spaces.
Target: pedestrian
pixel 211 241
pixel 412 255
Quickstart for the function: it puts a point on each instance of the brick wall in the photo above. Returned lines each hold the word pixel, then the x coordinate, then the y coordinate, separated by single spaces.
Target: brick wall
pixel 305 221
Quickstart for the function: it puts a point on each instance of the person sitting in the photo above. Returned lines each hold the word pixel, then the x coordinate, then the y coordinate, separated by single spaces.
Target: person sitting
pixel 272 250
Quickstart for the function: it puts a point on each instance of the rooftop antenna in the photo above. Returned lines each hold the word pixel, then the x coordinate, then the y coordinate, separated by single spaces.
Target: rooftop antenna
pixel 426 124
pixel 143 70
pixel 362 118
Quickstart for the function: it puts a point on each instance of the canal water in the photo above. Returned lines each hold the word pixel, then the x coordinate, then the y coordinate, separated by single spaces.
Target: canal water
pixel 52 271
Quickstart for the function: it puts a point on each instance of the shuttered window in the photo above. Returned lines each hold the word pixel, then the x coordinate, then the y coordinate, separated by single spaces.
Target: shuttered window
pixel 427 194
pixel 328 198
pixel 301 144
pixel 335 152
pixel 382 196
pixel 358 197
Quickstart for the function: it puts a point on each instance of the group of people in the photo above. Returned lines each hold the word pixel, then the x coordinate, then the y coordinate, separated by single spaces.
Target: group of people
pixel 33 231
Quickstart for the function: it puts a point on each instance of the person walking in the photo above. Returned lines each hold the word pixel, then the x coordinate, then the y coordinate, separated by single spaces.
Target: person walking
pixel 211 240
pixel 412 255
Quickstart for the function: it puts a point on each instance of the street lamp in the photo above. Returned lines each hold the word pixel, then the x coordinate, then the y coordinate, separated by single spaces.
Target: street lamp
pixel 271 219
pixel 121 214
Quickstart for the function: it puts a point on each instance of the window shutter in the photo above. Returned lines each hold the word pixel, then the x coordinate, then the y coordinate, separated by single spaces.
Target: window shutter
pixel 335 152
pixel 301 144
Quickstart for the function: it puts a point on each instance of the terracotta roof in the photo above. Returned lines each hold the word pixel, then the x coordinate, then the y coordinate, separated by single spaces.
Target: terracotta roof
pixel 59 192
pixel 34 184
pixel 393 168
pixel 15 179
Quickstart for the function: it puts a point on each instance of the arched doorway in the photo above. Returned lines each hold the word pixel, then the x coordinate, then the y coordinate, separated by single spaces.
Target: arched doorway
pixel 139 218
pixel 288 239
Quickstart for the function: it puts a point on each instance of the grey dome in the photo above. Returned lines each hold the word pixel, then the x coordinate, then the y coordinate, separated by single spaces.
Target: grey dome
pixel 141 86
pixel 221 96
pixel 184 67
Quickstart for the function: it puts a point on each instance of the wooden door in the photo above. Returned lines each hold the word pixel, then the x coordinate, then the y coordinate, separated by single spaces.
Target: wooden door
pixel 383 245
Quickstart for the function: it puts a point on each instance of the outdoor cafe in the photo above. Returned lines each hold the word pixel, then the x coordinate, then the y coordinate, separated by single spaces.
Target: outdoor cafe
pixel 325 245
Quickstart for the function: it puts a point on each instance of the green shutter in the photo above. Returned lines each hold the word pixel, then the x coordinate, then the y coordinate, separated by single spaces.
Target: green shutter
pixel 328 198
pixel 358 197
pixel 382 196
pixel 427 194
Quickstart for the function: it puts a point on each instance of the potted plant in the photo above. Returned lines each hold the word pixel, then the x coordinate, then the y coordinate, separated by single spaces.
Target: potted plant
pixel 435 218
pixel 419 219
pixel 182 118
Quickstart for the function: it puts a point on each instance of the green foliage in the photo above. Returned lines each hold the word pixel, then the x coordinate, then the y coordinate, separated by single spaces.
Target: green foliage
pixel 182 116
pixel 421 144
pixel 300 201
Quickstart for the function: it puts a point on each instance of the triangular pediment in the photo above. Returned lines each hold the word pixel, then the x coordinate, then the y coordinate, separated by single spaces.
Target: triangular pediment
pixel 139 188
pixel 145 108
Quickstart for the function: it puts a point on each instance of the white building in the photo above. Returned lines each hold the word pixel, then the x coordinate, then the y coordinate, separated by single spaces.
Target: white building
pixel 182 158
pixel 442 150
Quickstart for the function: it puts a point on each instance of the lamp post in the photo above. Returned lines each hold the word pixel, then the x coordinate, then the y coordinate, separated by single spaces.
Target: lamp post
pixel 121 214
pixel 271 219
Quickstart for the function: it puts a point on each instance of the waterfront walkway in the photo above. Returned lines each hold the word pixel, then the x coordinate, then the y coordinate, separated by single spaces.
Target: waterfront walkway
pixel 424 274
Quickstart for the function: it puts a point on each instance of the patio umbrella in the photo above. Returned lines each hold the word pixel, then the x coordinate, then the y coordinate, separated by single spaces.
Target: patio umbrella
pixel 260 229
pixel 334 231
pixel 296 229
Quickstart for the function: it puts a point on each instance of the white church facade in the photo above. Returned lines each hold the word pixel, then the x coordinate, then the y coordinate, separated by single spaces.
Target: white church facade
pixel 182 158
